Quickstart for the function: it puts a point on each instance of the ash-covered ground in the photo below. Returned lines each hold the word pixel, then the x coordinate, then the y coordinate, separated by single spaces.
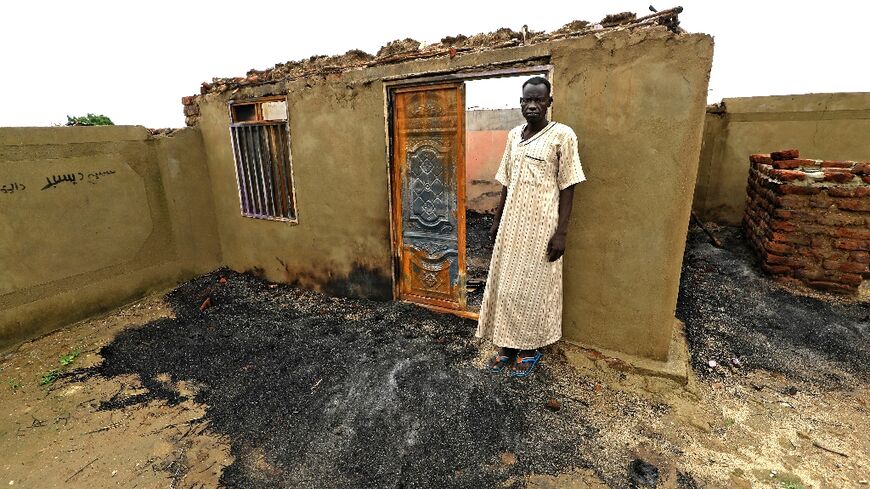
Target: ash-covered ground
pixel 305 390
pixel 342 393
pixel 478 253
pixel 732 310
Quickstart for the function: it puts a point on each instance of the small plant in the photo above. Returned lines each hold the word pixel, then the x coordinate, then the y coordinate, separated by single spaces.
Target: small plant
pixel 89 120
pixel 792 485
pixel 13 384
pixel 70 357
pixel 729 422
pixel 49 377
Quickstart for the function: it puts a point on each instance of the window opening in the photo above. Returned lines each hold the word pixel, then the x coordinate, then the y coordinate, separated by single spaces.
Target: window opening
pixel 261 149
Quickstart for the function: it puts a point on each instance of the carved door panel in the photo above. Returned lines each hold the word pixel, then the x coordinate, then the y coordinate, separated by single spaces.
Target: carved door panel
pixel 429 193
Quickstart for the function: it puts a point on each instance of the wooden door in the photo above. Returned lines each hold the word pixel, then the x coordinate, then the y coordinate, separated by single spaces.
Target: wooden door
pixel 428 176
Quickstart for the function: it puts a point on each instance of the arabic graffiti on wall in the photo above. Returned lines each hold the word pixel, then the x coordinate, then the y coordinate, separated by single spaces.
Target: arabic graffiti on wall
pixel 55 180
pixel 75 178
pixel 13 187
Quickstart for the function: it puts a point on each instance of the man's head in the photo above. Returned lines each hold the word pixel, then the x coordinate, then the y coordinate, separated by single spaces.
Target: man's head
pixel 536 99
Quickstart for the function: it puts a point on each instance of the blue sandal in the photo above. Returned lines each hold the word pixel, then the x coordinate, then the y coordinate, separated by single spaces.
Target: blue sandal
pixel 532 363
pixel 501 361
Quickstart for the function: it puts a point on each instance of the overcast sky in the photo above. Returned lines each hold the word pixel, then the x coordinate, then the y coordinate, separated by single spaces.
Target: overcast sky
pixel 133 61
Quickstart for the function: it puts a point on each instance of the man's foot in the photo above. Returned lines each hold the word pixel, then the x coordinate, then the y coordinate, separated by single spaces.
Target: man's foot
pixel 502 359
pixel 526 362
pixel 498 362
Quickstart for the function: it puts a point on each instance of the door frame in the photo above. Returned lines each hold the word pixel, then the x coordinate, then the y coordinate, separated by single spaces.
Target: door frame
pixel 391 84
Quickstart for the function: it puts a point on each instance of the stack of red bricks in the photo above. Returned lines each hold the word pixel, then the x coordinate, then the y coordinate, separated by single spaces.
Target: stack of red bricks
pixel 191 109
pixel 809 220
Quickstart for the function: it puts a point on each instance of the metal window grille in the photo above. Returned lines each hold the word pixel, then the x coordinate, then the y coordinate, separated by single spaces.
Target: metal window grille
pixel 262 154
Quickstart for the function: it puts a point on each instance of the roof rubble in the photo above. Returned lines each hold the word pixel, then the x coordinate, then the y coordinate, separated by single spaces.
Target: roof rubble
pixel 409 49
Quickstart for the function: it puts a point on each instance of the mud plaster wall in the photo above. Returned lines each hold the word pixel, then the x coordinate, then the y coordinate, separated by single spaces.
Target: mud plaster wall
pixel 636 100
pixel 485 138
pixel 138 218
pixel 831 125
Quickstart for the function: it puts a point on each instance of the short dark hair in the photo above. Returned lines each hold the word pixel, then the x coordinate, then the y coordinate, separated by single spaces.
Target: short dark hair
pixel 538 80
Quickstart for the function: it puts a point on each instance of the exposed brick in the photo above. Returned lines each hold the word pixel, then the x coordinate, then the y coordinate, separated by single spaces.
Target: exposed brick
pixel 786 154
pixel 841 192
pixel 851 244
pixel 785 226
pixel 810 274
pixel 797 189
pixel 788 175
pixel 828 218
pixel 771 259
pixel 787 164
pixel 861 168
pixel 860 257
pixel 763 159
pixel 831 286
pixel 795 238
pixel 805 229
pixel 821 201
pixel 779 248
pixel 838 176
pixel 776 269
pixel 851 279
pixel 853 233
pixel 817 241
pixel 188 100
pixel 833 255
pixel 837 164
pixel 844 266
pixel 808 162
pixel 860 205
pixel 852 267
pixel 191 110
pixel 791 202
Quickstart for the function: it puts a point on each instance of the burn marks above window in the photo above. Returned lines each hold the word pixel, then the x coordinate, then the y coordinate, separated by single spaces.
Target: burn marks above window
pixel 261 147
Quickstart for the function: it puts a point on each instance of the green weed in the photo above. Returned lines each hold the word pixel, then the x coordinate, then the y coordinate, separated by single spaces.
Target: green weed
pixel 13 384
pixel 49 377
pixel 70 357
pixel 792 485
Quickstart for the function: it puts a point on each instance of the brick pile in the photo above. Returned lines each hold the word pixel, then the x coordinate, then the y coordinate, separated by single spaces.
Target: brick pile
pixel 809 220
pixel 191 109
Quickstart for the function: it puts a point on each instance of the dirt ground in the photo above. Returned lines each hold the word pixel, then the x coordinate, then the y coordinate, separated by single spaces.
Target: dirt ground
pixel 273 386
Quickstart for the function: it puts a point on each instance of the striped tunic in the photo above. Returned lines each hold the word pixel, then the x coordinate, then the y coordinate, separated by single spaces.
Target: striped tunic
pixel 522 303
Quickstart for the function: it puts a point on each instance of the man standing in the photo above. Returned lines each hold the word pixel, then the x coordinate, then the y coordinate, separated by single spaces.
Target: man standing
pixel 522 303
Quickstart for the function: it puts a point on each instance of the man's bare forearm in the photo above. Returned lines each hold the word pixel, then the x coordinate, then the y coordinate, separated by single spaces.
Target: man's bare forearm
pixel 556 245
pixel 566 205
pixel 497 218
pixel 501 202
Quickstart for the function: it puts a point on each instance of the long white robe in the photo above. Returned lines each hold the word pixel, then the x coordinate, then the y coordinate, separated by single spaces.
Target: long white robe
pixel 522 303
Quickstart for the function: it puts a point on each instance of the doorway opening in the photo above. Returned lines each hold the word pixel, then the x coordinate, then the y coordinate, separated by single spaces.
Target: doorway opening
pixel 492 109
pixel 447 137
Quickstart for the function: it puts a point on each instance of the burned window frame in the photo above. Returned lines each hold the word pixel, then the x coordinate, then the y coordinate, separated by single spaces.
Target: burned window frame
pixel 267 195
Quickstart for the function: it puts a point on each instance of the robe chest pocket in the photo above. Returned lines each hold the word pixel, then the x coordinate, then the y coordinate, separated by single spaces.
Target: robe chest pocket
pixel 536 169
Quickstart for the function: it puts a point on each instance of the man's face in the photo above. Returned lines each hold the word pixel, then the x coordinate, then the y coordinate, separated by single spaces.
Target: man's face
pixel 535 102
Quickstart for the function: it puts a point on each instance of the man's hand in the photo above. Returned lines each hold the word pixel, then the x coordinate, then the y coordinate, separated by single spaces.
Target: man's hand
pixel 556 247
